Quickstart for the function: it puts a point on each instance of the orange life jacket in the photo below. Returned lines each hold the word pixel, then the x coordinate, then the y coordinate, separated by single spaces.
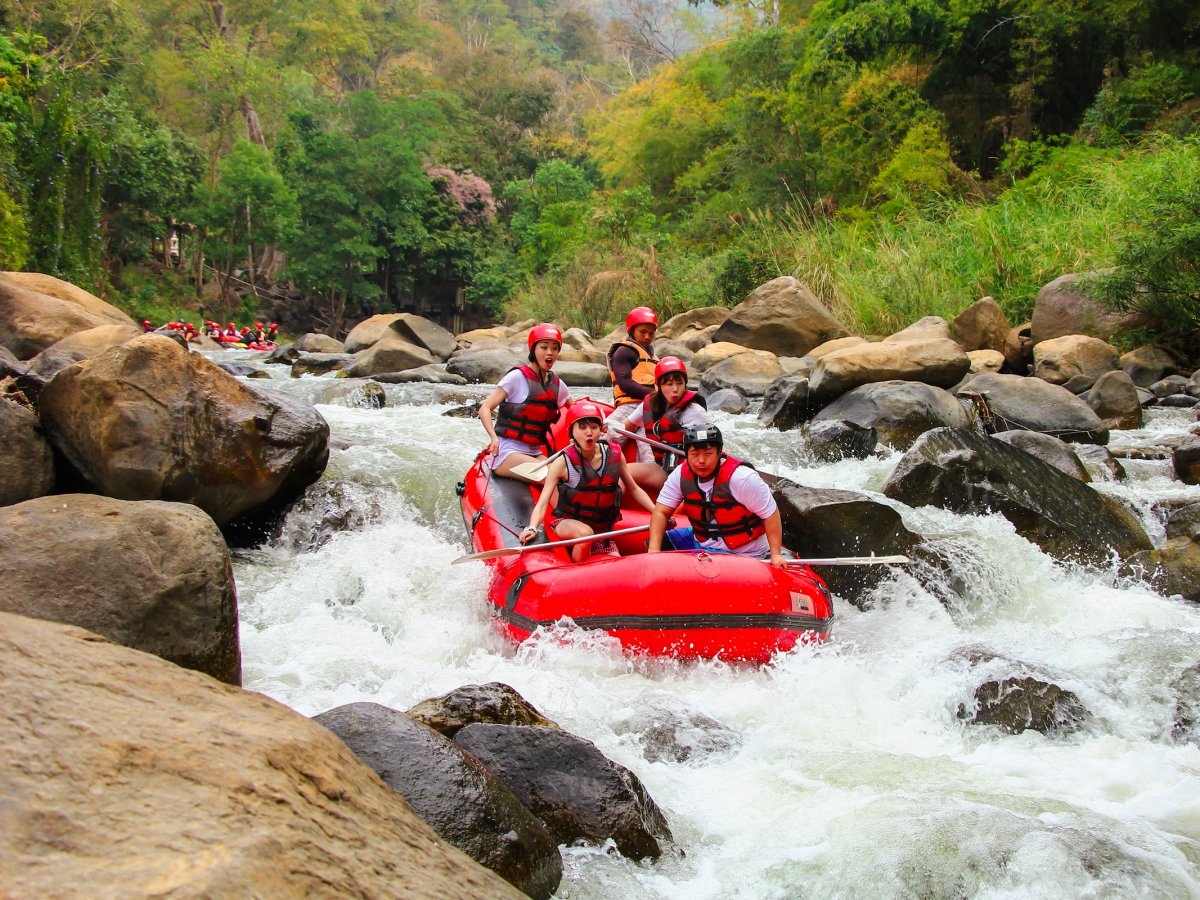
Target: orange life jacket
pixel 718 516
pixel 530 421
pixel 643 372
pixel 596 499
pixel 666 428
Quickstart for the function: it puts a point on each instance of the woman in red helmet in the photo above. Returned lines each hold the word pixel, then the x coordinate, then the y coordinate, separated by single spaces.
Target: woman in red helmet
pixel 631 365
pixel 589 477
pixel 527 402
pixel 663 416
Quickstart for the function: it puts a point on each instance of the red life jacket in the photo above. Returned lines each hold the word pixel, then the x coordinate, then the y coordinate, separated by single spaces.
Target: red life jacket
pixel 719 516
pixel 596 499
pixel 529 422
pixel 667 429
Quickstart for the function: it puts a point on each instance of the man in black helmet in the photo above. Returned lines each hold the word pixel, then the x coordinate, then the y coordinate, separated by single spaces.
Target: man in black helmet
pixel 729 505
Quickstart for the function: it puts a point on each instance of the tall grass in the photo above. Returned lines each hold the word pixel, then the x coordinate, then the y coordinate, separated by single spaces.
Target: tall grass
pixel 878 275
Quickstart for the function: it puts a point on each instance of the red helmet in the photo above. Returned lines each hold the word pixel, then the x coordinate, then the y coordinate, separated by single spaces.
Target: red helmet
pixel 667 365
pixel 258 326
pixel 231 325
pixel 584 409
pixel 545 332
pixel 640 315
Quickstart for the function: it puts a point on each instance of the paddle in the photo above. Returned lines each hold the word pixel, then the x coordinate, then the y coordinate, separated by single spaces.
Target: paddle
pixel 514 551
pixel 849 561
pixel 534 471
pixel 645 440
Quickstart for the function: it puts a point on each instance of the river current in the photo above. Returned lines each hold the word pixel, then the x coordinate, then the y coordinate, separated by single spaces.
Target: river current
pixel 847 772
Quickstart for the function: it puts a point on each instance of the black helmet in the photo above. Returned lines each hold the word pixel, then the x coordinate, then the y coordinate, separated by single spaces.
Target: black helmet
pixel 702 436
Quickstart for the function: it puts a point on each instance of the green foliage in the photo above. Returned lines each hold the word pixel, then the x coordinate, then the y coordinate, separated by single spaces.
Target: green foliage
pixel 249 206
pixel 1157 272
pixel 1124 107
pixel 14 240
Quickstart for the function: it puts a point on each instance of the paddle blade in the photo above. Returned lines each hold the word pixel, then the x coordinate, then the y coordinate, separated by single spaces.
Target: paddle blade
pixel 850 561
pixel 530 471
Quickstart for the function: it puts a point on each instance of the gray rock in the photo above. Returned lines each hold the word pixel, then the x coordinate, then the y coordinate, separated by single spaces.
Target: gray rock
pixel 320 363
pixel 1049 450
pixel 898 411
pixel 833 439
pixel 493 703
pixel 970 473
pixel 785 403
pixel 485 366
pixel 463 801
pixel 1006 402
pixel 981 326
pixel 571 786
pixel 1115 400
pixel 728 400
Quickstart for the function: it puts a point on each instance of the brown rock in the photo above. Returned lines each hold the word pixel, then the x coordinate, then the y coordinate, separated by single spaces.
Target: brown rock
pixel 782 317
pixel 149 421
pixel 679 327
pixel 1018 349
pixel 127 776
pixel 30 321
pixel 1062 307
pixel 150 575
pixel 939 362
pixel 368 332
pixel 981 326
pixel 1058 360
pixel 494 703
pixel 28 469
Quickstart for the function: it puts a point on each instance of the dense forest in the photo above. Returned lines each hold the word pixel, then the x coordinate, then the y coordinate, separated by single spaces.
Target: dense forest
pixel 474 160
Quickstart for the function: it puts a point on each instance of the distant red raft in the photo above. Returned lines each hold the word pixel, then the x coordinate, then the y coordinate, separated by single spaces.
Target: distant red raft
pixel 682 604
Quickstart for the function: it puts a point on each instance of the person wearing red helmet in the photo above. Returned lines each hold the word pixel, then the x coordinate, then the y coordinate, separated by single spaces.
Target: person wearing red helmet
pixel 631 365
pixel 272 330
pixel 147 326
pixel 527 401
pixel 589 477
pixel 663 416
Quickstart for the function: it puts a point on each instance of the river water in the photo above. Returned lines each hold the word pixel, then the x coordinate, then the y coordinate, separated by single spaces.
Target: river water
pixel 846 772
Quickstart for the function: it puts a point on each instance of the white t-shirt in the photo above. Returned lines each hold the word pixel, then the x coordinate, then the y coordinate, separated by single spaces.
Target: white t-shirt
pixel 516 390
pixel 693 414
pixel 747 488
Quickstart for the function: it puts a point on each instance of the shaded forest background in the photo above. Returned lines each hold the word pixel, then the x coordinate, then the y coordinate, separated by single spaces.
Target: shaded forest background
pixel 566 159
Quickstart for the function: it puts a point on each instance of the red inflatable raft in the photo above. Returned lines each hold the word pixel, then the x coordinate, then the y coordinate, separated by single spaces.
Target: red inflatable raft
pixel 681 604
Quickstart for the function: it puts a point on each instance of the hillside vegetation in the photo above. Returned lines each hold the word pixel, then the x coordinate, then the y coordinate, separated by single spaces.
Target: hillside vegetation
pixel 533 158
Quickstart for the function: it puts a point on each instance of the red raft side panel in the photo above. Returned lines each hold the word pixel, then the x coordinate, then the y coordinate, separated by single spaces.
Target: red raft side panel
pixel 686 605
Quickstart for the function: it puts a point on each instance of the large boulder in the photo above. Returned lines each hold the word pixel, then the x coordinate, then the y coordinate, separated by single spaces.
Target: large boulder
pixel 125 776
pixel 1005 402
pixel 691 321
pixel 149 421
pixel 785 403
pixel 571 786
pixel 79 346
pixel 939 362
pixel 926 328
pixel 1175 566
pixel 28 469
pixel 899 411
pixel 981 326
pixel 37 311
pixel 1049 450
pixel 823 522
pixel 749 373
pixel 314 343
pixel 483 366
pixel 1016 697
pixel 494 703
pixel 464 802
pixel 150 575
pixel 391 353
pixel 1114 397
pixel 368 332
pixel 1064 307
pixel 711 354
pixel 1146 365
pixel 425 333
pixel 1018 349
pixel 1061 359
pixel 970 473
pixel 782 317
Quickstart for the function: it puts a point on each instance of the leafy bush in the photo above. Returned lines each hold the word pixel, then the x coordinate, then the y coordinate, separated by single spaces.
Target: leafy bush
pixel 1157 273
pixel 1125 106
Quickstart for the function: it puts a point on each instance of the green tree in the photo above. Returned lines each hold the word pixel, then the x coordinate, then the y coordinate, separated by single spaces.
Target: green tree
pixel 250 205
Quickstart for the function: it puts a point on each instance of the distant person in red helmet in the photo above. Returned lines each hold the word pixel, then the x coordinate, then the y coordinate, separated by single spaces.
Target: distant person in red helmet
pixel 147 326
pixel 663 416
pixel 527 401
pixel 589 476
pixel 631 365
pixel 272 330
